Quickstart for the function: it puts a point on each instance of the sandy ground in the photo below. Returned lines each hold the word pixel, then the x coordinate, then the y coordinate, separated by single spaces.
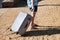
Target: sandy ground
pixel 47 19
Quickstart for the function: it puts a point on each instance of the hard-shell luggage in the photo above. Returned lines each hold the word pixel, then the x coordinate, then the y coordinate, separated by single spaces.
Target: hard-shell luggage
pixel 21 23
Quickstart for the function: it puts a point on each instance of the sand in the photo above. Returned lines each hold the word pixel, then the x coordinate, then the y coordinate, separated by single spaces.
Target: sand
pixel 47 19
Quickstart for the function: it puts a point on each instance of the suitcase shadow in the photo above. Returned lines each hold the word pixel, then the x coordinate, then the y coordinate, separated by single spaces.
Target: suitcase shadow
pixel 23 3
pixel 49 31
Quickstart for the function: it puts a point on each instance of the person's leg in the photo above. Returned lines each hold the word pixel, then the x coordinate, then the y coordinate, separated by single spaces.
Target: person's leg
pixel 32 22
pixel 33 15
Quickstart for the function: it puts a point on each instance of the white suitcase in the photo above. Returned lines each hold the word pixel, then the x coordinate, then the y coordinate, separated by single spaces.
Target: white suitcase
pixel 21 23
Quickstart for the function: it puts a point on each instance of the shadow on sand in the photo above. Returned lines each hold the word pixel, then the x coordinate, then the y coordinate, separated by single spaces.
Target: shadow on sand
pixel 49 31
pixel 22 3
